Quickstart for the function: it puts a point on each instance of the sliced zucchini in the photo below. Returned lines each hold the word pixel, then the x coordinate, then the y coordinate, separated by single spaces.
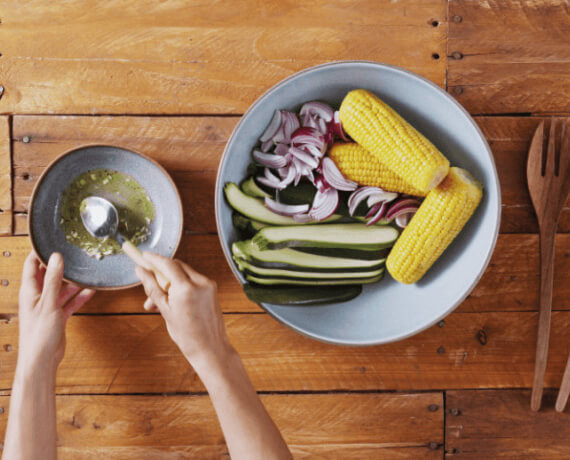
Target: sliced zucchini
pixel 282 273
pixel 344 253
pixel 350 236
pixel 301 295
pixel 245 225
pixel 305 282
pixel 250 188
pixel 255 209
pixel 292 259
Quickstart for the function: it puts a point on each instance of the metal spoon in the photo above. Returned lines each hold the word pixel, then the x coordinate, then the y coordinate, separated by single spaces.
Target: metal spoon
pixel 101 220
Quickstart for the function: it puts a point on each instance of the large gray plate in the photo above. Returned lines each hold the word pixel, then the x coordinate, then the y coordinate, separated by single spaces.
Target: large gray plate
pixel 386 311
pixel 112 272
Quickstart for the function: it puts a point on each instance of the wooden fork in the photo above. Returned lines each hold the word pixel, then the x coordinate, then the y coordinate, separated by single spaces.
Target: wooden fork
pixel 548 179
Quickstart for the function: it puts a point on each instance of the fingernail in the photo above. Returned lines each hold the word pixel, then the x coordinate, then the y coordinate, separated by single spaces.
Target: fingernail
pixel 55 260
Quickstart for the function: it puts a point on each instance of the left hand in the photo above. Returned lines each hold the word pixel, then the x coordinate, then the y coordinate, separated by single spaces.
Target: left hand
pixel 45 306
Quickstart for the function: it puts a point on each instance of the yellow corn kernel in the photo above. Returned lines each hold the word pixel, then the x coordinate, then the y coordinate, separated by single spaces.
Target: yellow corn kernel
pixel 397 144
pixel 433 227
pixel 358 164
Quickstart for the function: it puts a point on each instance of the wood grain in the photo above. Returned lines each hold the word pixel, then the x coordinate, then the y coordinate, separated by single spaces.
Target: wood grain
pixel 314 426
pixel 499 424
pixel 191 147
pixel 197 57
pixel 5 178
pixel 133 354
pixel 510 283
pixel 508 56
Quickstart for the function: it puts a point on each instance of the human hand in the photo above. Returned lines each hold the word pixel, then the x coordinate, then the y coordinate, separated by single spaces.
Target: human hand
pixel 45 306
pixel 190 308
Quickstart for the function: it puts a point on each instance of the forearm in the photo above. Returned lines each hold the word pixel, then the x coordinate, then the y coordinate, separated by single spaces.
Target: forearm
pixel 31 432
pixel 249 431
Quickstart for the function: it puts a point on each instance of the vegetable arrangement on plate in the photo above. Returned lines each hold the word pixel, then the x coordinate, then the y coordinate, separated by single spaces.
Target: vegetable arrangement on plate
pixel 335 198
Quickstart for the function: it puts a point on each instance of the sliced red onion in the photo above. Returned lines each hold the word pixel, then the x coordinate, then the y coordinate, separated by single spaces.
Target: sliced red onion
pixel 308 135
pixel 386 197
pixel 319 109
pixel 315 151
pixel 269 160
pixel 266 146
pixel 304 156
pixel 359 195
pixel 270 180
pixel 323 128
pixel 334 177
pixel 281 149
pixel 336 126
pixel 290 124
pixel 325 204
pixel 272 127
pixel 289 178
pixel 311 122
pixel 406 204
pixel 279 136
pixel 373 210
pixel 320 184
pixel 285 209
pixel 403 220
pixel 379 214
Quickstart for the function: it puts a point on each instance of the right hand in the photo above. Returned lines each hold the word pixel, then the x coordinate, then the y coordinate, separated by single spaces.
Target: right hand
pixel 190 309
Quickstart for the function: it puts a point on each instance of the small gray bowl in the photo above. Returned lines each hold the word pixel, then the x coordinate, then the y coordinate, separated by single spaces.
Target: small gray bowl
pixel 385 311
pixel 116 271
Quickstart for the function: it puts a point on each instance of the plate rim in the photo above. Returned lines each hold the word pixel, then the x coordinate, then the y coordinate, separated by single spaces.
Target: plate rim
pixel 394 338
pixel 70 151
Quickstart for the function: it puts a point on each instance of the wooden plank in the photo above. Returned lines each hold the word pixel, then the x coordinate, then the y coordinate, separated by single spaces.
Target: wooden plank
pixel 510 283
pixel 344 426
pixel 203 252
pixel 191 147
pixel 525 70
pixel 196 57
pixel 500 424
pixel 5 178
pixel 133 354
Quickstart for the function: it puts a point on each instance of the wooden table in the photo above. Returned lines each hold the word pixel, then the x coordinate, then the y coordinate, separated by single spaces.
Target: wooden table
pixel 171 79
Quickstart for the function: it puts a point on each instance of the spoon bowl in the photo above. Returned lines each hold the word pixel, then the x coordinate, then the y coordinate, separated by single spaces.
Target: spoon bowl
pixel 99 216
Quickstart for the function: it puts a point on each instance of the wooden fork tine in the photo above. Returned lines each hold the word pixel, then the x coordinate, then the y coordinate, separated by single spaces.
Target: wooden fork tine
pixel 551 151
pixel 564 159
pixel 535 151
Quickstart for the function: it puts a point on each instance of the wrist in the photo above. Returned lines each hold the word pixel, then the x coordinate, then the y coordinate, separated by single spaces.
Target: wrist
pixel 214 365
pixel 30 367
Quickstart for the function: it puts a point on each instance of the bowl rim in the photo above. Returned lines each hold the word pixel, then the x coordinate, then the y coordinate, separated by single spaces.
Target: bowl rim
pixel 218 198
pixel 70 152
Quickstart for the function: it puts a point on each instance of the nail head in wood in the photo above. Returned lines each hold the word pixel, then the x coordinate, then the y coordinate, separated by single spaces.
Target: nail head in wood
pixel 7 253
pixel 433 407
pixel 26 139
pixel 482 337
pixel 1 91
pixel 457 55
pixel 441 323
pixel 433 445
pixel 1 410
pixel 441 350
pixel 457 19
pixel 7 347
pixel 5 283
pixel 457 90
pixel 455 411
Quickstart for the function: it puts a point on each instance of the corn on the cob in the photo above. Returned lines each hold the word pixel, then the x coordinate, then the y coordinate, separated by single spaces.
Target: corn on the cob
pixel 397 144
pixel 358 164
pixel 436 223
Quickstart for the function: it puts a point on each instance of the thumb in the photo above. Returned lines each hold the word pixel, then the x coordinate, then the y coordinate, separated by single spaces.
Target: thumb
pixel 52 280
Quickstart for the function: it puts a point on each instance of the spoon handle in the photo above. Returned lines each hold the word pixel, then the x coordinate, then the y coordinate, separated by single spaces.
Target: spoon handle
pixel 132 251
